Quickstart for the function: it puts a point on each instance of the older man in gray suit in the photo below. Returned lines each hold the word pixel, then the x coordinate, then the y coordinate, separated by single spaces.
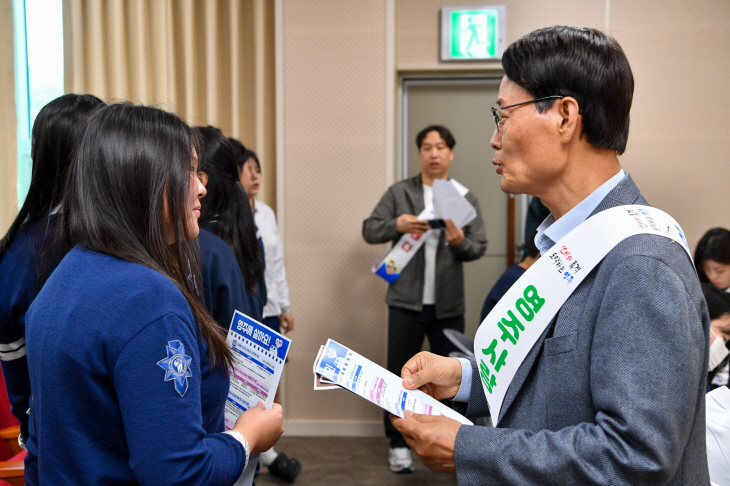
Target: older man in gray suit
pixel 613 390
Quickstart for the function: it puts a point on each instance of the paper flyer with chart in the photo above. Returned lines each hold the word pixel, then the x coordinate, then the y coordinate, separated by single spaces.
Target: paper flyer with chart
pixel 259 354
pixel 351 371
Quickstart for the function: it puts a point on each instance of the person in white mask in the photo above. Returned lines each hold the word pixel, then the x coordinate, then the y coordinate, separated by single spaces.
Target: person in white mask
pixel 718 304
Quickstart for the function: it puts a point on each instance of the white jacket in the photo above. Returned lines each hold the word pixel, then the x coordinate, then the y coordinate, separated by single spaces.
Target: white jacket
pixel 277 290
pixel 718 435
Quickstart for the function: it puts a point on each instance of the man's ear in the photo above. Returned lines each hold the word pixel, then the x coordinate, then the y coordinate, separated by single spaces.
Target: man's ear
pixel 571 121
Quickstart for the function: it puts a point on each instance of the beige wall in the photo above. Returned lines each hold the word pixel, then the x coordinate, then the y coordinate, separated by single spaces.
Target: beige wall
pixel 8 125
pixel 680 121
pixel 332 170
pixel 337 111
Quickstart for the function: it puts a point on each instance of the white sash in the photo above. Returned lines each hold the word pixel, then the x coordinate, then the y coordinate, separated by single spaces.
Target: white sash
pixel 408 244
pixel 509 332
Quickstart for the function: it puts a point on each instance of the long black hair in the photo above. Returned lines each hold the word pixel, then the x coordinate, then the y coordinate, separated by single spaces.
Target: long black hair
pixel 243 155
pixel 226 205
pixel 54 135
pixel 714 245
pixel 127 195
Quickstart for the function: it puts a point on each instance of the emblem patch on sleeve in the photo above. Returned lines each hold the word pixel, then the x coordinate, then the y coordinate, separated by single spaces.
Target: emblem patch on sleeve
pixel 177 366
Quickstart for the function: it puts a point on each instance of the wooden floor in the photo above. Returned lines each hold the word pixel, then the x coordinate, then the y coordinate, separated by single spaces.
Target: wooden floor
pixel 346 461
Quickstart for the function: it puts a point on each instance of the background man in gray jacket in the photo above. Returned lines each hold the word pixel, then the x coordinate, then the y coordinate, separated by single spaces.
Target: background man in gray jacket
pixel 613 390
pixel 428 297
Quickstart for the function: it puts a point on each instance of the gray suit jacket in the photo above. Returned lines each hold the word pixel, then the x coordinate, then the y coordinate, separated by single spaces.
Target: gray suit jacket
pixel 406 197
pixel 614 392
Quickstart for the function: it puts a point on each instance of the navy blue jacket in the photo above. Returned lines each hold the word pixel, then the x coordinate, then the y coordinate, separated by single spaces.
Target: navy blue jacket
pixel 508 278
pixel 123 392
pixel 19 269
pixel 214 258
pixel 223 286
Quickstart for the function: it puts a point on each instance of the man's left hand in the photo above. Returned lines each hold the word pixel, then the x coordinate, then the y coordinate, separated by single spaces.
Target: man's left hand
pixel 432 437
pixel 287 323
pixel 454 236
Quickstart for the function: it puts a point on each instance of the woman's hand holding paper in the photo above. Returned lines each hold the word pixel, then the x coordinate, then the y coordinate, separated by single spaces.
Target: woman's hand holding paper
pixel 261 427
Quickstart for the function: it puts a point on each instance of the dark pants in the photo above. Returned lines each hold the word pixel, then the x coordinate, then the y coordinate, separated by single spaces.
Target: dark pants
pixel 272 322
pixel 406 330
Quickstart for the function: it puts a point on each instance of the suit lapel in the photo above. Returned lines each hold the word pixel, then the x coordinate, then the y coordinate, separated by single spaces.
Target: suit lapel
pixel 524 371
pixel 624 193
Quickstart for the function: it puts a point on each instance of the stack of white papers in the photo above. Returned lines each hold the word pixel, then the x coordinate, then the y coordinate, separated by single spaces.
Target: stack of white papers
pixel 339 367
pixel 449 202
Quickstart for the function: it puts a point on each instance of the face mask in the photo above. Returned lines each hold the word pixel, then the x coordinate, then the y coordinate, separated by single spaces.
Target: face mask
pixel 718 352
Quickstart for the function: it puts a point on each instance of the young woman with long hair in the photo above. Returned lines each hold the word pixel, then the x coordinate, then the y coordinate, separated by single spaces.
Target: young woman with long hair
pixel 225 213
pixel 277 310
pixel 128 371
pixel 28 253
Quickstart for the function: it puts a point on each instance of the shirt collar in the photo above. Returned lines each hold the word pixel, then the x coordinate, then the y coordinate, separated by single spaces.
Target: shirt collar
pixel 551 231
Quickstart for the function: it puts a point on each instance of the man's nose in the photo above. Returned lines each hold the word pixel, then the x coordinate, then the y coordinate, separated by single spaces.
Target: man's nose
pixel 496 141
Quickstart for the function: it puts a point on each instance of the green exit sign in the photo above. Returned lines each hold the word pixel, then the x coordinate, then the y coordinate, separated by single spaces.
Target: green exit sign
pixel 472 33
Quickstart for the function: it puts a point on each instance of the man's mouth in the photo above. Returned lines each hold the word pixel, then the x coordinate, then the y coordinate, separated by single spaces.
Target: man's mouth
pixel 499 166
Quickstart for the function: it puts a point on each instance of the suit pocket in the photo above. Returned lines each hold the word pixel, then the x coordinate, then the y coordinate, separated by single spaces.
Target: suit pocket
pixel 561 344
pixel 567 395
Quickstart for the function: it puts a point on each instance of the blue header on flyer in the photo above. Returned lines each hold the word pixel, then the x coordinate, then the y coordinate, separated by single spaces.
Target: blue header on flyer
pixel 333 360
pixel 259 334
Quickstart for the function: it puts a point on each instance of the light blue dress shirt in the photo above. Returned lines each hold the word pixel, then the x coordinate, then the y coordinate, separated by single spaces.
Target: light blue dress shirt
pixel 549 233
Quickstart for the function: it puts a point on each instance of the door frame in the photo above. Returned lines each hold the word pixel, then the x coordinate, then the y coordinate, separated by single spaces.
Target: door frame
pixel 408 80
pixel 518 204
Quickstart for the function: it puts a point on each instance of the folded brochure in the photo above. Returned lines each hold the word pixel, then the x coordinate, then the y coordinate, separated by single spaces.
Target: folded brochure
pixel 259 354
pixel 337 366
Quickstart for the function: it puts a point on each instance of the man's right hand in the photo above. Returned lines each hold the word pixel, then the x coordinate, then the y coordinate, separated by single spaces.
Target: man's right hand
pixel 434 375
pixel 408 223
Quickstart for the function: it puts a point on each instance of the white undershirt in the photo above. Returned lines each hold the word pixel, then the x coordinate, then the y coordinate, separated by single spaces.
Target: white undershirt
pixel 430 247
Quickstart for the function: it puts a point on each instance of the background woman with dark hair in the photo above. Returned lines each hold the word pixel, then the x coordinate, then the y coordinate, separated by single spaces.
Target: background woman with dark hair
pixel 226 214
pixel 122 354
pixel 223 288
pixel 712 258
pixel 27 255
pixel 277 311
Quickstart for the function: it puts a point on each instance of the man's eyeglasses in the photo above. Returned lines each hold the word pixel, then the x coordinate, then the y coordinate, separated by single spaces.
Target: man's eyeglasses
pixel 498 120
